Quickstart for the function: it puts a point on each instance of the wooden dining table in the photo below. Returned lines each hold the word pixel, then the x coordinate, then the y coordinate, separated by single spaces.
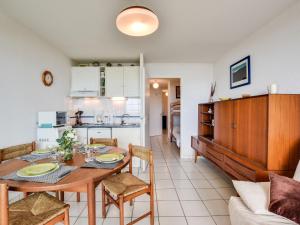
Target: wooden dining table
pixel 80 180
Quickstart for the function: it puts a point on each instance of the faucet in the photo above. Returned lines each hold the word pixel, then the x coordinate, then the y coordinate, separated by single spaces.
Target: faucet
pixel 123 118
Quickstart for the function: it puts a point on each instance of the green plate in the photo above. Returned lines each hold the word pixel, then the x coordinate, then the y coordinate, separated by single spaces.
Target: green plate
pixel 96 146
pixel 41 151
pixel 110 158
pixel 37 169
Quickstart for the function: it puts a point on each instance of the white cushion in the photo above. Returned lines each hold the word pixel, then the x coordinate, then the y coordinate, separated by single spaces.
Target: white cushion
pixel 256 196
pixel 297 173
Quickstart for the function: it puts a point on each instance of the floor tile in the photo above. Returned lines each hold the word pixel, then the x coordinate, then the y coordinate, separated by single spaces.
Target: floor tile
pixel 146 221
pixel 162 176
pixel 113 211
pixel 183 184
pixel 219 183
pixel 195 175
pixel 187 194
pixel 208 194
pixel 200 183
pixel 226 193
pixel 204 220
pixel 166 194
pixel 222 220
pixel 140 208
pixel 113 221
pixel 164 184
pixel 169 208
pixel 84 221
pixel 172 221
pixel 217 207
pixel 76 208
pixel 194 208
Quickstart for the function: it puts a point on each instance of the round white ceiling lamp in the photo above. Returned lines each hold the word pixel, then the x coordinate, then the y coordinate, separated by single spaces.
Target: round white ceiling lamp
pixel 137 21
pixel 155 85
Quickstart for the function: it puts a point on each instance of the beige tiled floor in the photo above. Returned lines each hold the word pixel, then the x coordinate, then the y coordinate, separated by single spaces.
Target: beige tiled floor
pixel 186 193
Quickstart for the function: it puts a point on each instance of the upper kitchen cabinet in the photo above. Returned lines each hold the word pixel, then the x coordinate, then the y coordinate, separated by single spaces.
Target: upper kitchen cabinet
pixel 131 81
pixel 122 81
pixel 85 81
pixel 114 81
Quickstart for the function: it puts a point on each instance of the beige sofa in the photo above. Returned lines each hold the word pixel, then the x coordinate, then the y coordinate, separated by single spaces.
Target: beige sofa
pixel 241 215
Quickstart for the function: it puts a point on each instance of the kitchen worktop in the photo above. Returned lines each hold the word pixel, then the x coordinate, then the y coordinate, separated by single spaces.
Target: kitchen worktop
pixel 91 125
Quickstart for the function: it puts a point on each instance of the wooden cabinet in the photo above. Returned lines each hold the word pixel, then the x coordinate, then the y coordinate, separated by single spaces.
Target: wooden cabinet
pixel 223 123
pixel 122 81
pixel 85 80
pixel 114 81
pixel 254 136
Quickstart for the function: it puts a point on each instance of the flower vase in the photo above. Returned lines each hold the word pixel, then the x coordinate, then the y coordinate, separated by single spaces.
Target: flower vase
pixel 68 154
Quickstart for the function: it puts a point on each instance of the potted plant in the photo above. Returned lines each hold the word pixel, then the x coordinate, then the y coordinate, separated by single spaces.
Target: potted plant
pixel 66 143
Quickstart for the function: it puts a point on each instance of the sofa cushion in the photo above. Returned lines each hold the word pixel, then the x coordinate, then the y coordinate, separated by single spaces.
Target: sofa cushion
pixel 254 195
pixel 285 197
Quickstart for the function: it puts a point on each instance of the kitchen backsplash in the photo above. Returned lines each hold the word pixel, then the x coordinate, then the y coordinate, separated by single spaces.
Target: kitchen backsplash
pixel 107 110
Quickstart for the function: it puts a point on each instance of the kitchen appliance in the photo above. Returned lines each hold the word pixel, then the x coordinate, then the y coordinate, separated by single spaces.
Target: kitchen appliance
pixel 46 137
pixel 78 115
pixel 52 119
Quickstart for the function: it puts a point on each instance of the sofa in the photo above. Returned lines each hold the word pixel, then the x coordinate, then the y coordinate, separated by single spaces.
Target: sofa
pixel 240 214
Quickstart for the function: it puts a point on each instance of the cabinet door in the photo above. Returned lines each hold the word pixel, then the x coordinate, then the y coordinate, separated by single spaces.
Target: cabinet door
pixel 250 128
pixel 81 135
pixel 99 133
pixel 114 81
pixel 85 79
pixel 223 116
pixel 131 81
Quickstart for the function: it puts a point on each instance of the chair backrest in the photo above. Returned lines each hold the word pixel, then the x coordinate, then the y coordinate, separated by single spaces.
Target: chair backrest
pixel 143 153
pixel 16 151
pixel 105 141
pixel 3 204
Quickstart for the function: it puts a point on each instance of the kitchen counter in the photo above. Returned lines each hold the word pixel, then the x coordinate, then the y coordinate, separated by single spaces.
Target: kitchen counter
pixel 91 125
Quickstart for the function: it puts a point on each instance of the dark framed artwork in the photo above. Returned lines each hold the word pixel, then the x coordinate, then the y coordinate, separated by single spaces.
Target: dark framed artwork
pixel 240 73
pixel 177 91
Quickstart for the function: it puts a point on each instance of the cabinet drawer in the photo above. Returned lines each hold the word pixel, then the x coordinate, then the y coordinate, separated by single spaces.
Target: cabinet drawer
pixel 238 170
pixel 198 145
pixel 99 133
pixel 214 156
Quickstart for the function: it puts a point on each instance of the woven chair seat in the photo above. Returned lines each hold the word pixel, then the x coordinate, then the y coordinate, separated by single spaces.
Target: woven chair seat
pixel 37 209
pixel 124 183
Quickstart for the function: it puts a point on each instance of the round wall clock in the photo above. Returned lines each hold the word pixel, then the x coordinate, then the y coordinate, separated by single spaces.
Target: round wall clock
pixel 47 78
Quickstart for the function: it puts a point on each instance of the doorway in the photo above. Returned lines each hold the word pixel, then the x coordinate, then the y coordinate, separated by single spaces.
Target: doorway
pixel 164 95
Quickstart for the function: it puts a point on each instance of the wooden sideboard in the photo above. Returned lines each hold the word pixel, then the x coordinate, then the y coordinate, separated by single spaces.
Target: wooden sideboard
pixel 251 137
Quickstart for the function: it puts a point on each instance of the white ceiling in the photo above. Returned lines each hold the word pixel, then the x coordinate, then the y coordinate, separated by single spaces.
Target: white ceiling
pixel 190 30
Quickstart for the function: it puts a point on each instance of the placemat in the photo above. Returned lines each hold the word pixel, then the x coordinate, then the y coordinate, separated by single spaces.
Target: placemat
pixel 33 158
pixel 50 178
pixel 97 165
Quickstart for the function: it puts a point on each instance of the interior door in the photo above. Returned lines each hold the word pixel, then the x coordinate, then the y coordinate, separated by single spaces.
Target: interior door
pixel 250 128
pixel 223 116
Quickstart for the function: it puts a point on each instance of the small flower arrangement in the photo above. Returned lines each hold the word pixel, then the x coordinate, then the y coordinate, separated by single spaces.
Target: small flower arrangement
pixel 66 143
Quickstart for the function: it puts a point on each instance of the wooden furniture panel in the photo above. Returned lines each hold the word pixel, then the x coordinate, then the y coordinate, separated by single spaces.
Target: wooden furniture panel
pixel 284 130
pixel 250 128
pixel 223 123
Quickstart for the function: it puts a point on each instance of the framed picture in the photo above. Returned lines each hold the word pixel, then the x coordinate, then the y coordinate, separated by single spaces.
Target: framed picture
pixel 177 91
pixel 240 73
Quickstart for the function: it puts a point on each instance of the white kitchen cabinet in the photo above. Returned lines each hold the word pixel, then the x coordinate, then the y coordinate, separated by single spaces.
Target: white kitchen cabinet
pixel 82 135
pixel 99 133
pixel 131 81
pixel 126 136
pixel 122 81
pixel 85 80
pixel 114 81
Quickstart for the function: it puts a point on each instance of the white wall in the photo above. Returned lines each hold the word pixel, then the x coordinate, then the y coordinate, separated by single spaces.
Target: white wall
pixel 195 84
pixel 155 114
pixel 23 57
pixel 275 58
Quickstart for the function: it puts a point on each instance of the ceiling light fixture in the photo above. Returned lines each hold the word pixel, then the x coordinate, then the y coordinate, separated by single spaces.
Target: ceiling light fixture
pixel 155 85
pixel 137 21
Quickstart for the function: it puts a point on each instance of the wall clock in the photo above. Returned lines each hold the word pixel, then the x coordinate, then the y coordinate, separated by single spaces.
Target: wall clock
pixel 47 78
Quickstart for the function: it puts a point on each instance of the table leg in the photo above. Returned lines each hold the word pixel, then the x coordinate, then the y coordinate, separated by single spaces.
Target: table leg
pixel 91 203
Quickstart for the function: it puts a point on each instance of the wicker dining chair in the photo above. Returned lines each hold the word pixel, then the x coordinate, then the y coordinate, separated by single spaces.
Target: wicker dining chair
pixel 36 209
pixel 105 141
pixel 124 187
pixel 16 151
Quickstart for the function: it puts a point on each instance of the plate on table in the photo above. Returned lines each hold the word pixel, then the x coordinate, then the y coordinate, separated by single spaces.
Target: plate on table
pixel 109 158
pixel 37 170
pixel 96 146
pixel 41 152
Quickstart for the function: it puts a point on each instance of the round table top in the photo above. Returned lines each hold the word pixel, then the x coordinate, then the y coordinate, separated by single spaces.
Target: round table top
pixel 78 177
